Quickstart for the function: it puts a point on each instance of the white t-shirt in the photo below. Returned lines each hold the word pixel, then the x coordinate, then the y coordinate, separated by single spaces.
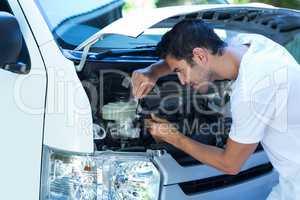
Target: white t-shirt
pixel 265 103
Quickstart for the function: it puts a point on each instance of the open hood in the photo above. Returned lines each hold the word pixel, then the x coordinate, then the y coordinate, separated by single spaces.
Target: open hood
pixel 136 23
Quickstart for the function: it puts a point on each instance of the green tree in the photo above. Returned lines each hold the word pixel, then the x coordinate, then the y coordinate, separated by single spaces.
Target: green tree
pixel 294 4
pixel 163 3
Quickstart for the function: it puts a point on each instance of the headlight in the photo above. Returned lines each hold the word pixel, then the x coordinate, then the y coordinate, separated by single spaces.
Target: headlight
pixel 106 176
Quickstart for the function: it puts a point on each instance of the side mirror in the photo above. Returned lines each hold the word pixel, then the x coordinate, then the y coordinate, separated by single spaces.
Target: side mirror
pixel 10 44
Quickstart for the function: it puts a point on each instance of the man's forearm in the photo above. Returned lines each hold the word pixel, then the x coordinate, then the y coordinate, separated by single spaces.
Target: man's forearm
pixel 159 69
pixel 204 153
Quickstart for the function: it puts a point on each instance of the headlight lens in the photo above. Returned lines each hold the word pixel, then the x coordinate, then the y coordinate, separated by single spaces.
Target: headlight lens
pixel 106 176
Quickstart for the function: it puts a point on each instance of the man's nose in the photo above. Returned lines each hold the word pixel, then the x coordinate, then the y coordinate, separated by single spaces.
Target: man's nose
pixel 182 82
pixel 182 79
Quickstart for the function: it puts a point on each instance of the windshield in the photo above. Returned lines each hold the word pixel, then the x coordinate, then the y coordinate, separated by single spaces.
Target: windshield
pixel 72 22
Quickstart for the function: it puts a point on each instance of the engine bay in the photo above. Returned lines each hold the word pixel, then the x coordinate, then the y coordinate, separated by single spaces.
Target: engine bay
pixel 119 119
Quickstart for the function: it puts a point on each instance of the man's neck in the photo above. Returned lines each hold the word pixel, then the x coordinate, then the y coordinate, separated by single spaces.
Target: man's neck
pixel 227 65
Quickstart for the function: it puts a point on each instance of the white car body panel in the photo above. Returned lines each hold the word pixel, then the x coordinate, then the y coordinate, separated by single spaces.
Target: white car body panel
pixel 68 119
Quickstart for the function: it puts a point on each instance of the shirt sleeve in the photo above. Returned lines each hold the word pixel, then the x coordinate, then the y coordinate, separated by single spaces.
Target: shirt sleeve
pixel 251 117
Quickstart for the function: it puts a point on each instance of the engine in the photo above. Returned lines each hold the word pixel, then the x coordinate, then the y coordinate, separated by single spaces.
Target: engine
pixel 119 119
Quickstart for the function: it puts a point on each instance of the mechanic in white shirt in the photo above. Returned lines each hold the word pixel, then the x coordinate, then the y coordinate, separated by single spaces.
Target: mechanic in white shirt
pixel 264 102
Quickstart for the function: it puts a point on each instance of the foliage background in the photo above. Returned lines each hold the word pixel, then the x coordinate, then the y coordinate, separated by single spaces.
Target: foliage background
pixel 294 4
pixel 142 4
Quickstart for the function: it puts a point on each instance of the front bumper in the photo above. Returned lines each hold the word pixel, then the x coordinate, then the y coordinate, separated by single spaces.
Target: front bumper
pixel 255 181
pixel 257 189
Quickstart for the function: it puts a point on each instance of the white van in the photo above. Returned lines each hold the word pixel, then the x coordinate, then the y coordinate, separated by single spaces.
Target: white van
pixel 69 127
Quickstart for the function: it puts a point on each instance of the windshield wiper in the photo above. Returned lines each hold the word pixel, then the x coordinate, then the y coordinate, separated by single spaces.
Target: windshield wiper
pixel 126 52
pixel 145 47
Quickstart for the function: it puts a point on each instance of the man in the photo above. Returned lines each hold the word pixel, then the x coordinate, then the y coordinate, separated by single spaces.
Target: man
pixel 264 100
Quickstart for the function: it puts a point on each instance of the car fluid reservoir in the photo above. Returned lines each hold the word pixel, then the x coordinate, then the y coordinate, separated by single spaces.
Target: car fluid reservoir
pixel 121 116
pixel 119 111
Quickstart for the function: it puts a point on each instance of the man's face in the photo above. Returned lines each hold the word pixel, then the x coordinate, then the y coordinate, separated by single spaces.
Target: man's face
pixel 194 75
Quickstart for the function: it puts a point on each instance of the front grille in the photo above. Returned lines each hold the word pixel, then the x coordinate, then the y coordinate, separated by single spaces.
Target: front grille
pixel 222 181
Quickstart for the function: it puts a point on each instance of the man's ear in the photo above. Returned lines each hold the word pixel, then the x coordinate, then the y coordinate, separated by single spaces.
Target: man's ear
pixel 200 55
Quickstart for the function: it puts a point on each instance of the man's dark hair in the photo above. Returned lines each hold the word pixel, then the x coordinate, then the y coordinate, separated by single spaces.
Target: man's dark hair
pixel 186 35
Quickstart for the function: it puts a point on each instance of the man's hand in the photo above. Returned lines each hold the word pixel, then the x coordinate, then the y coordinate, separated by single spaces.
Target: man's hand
pixel 142 82
pixel 161 129
pixel 229 160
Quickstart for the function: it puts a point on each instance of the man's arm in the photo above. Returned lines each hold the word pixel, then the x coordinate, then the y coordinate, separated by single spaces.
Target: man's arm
pixel 229 160
pixel 159 69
